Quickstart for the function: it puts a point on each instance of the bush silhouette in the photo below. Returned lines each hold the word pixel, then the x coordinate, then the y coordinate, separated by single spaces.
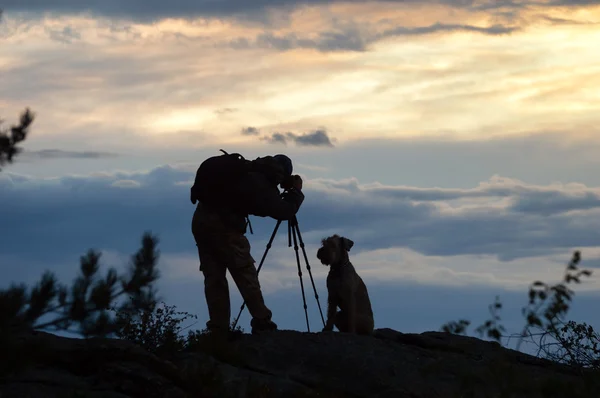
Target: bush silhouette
pixel 86 303
pixel 159 330
pixel 9 138
pixel 156 329
pixel 568 342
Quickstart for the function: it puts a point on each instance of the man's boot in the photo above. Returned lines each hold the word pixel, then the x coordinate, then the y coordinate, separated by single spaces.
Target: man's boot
pixel 222 334
pixel 262 325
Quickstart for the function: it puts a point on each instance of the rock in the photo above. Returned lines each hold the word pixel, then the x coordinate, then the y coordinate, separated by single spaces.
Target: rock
pixel 285 364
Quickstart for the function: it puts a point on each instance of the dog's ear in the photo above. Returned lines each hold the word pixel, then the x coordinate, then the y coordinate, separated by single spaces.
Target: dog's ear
pixel 347 244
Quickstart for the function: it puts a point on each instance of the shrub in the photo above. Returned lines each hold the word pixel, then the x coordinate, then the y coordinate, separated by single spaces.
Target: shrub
pixel 157 329
pixel 86 303
pixel 569 342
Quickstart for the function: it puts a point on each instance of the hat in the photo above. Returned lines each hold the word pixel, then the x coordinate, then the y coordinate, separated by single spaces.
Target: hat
pixel 286 164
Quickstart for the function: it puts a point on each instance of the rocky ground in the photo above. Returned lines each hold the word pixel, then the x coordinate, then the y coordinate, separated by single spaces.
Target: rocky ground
pixel 285 364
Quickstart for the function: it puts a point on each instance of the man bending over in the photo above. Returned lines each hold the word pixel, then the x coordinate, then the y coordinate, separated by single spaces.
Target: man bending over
pixel 219 227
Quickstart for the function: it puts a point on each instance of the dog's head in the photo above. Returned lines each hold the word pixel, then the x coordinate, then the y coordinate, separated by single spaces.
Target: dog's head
pixel 334 250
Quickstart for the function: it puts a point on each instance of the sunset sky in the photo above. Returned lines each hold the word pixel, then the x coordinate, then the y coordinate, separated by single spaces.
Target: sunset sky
pixel 456 142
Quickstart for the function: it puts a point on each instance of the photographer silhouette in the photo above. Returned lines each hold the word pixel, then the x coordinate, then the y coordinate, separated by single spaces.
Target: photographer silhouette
pixel 228 188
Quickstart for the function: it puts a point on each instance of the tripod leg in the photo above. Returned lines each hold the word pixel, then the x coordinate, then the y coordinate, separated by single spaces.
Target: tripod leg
pixel 300 276
pixel 262 260
pixel 249 224
pixel 297 230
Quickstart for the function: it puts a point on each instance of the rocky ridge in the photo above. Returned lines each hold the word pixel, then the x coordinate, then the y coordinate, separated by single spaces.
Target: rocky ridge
pixel 285 364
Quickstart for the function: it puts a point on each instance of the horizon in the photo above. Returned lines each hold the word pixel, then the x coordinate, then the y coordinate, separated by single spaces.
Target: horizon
pixel 456 143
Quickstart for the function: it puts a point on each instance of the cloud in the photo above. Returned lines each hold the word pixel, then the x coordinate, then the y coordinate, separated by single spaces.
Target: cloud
pixel 126 184
pixel 224 111
pixel 489 219
pixel 276 138
pixel 250 131
pixel 554 199
pixel 351 38
pixel 61 154
pixel 152 10
pixel 66 35
pixel 566 21
pixel 346 40
pixel 312 167
pixel 314 138
pixel 441 27
pixel 354 36
pixel 476 85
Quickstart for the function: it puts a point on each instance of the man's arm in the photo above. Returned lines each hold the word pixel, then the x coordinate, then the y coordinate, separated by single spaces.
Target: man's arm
pixel 284 208
pixel 269 203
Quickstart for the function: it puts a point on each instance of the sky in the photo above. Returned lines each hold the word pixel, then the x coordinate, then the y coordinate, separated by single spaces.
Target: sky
pixel 455 142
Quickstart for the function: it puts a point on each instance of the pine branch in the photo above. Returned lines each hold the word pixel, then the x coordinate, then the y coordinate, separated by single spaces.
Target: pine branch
pixel 88 299
pixel 10 137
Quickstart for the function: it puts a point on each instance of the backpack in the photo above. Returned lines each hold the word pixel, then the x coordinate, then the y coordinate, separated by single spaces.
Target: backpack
pixel 217 178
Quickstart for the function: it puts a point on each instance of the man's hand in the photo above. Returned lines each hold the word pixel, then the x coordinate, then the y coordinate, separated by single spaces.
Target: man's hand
pixel 297 184
pixel 293 181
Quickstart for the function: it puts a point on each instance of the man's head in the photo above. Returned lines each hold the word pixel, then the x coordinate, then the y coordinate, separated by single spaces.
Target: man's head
pixel 286 164
pixel 288 180
pixel 334 250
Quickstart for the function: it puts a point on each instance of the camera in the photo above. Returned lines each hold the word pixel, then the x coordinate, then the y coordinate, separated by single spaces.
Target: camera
pixel 288 182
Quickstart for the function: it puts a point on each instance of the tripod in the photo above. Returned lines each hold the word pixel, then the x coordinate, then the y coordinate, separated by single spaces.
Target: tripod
pixel 293 232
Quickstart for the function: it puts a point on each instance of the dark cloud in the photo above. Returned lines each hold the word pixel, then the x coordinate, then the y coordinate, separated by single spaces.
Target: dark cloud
pixel 60 154
pixel 341 36
pixel 224 111
pixel 88 210
pixel 250 131
pixel 530 199
pixel 314 138
pixel 276 138
pixel 153 9
pixel 555 202
pixel 564 21
pixel 67 35
pixel 351 37
pixel 440 27
pixel 516 5
pixel 346 40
